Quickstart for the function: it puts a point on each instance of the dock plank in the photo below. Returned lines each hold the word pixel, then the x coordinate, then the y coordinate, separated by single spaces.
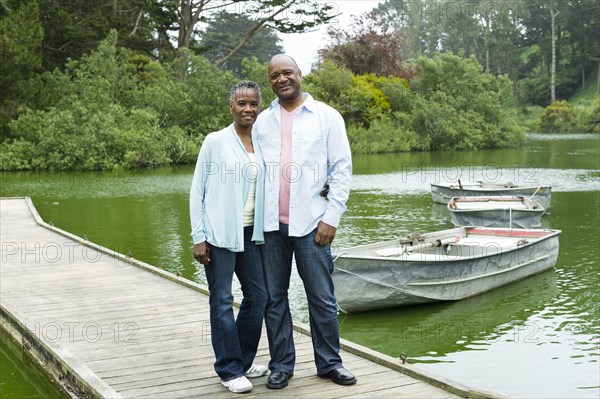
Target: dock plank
pixel 48 300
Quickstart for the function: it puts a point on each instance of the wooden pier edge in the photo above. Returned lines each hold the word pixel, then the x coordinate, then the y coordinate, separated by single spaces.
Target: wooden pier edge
pixel 410 370
pixel 80 382
pixel 73 377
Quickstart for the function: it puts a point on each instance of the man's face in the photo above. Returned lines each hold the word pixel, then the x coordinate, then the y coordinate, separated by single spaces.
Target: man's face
pixel 245 107
pixel 285 78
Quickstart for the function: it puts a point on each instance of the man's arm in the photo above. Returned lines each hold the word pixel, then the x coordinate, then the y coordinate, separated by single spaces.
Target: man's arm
pixel 339 172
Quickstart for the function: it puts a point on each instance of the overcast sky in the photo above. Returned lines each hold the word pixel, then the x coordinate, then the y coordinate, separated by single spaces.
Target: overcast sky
pixel 303 46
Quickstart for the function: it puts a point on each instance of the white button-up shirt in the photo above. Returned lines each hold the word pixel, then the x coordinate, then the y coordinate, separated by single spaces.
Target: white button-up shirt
pixel 320 154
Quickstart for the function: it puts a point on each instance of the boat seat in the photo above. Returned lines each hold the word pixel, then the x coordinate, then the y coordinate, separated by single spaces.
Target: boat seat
pixel 484 206
pixel 488 243
pixel 389 252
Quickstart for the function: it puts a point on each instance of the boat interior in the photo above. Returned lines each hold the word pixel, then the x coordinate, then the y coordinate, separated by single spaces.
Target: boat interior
pixel 451 244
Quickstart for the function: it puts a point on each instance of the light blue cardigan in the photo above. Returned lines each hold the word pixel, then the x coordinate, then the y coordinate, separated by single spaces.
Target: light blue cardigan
pixel 219 190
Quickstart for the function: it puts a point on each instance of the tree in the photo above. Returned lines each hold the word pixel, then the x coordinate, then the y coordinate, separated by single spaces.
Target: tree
pixel 419 23
pixel 20 53
pixel 503 46
pixel 76 27
pixel 226 32
pixel 461 29
pixel 582 19
pixel 286 16
pixel 553 14
pixel 370 45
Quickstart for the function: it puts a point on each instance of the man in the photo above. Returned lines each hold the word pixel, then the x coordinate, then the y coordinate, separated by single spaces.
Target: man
pixel 306 151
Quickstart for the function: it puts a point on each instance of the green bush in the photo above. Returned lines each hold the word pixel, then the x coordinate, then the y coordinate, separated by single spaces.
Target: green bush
pixel 559 117
pixel 328 83
pixel 84 139
pixel 16 155
pixel 458 106
pixel 115 109
pixel 450 104
pixel 384 135
pixel 592 116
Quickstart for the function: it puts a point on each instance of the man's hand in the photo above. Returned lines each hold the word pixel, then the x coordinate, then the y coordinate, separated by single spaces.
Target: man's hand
pixel 325 233
pixel 202 252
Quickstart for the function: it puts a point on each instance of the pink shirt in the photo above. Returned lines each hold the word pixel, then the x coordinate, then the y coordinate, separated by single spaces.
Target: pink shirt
pixel 285 160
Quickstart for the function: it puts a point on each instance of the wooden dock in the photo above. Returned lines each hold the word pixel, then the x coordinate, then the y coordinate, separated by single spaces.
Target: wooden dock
pixel 104 325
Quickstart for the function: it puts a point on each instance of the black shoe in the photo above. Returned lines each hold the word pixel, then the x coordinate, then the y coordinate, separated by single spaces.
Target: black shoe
pixel 340 376
pixel 278 380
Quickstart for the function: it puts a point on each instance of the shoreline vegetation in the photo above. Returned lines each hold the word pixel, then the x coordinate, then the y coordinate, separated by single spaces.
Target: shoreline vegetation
pixel 116 109
pixel 93 85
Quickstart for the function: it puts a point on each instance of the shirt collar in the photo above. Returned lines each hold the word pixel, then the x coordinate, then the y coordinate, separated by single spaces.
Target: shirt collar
pixel 310 104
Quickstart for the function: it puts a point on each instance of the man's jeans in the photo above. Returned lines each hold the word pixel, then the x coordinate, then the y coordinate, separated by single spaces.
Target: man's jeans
pixel 315 266
pixel 235 341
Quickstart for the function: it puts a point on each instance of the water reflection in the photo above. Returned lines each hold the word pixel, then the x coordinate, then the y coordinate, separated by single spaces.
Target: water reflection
pixel 428 333
pixel 20 377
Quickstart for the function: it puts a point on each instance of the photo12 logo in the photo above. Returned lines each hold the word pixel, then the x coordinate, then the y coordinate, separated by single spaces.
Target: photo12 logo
pixel 54 252
pixel 91 332
pixel 471 172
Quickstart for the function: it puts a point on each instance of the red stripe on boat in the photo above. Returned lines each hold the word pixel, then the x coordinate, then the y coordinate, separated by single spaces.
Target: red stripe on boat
pixel 509 233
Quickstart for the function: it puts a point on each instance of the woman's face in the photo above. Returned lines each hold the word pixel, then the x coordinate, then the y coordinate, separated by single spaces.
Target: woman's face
pixel 245 107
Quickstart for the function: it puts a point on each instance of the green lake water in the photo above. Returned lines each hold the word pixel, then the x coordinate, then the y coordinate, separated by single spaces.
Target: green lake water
pixel 537 338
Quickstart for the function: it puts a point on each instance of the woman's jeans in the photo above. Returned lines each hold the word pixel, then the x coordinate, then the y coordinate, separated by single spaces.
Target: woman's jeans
pixel 315 265
pixel 235 341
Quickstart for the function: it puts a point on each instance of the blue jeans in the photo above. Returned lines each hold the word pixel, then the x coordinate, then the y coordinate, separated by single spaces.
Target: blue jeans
pixel 315 266
pixel 235 341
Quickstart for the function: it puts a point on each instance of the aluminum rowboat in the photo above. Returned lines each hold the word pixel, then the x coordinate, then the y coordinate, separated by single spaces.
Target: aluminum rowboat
pixel 512 212
pixel 443 192
pixel 448 265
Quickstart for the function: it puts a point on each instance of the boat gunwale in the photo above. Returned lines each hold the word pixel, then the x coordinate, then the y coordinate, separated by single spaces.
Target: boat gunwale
pixel 479 185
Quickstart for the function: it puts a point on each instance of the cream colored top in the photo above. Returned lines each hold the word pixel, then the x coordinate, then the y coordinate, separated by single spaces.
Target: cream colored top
pixel 251 175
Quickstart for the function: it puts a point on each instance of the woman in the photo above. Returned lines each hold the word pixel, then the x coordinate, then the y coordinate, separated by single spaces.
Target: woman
pixel 226 211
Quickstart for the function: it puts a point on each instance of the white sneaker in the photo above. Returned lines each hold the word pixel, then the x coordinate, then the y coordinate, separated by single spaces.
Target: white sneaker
pixel 238 385
pixel 256 370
